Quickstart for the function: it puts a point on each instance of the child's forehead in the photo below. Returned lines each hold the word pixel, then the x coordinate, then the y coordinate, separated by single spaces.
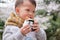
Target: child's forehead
pixel 28 3
pixel 26 6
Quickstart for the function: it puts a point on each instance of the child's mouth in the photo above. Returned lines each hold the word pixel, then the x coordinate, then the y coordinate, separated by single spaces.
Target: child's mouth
pixel 28 17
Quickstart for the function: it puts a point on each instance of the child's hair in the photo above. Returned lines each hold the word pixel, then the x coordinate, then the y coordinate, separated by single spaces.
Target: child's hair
pixel 18 2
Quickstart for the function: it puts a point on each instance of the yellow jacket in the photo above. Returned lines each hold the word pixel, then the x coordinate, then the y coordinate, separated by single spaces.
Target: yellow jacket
pixel 14 20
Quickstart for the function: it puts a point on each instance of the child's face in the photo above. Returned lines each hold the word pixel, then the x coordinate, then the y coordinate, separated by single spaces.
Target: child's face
pixel 25 10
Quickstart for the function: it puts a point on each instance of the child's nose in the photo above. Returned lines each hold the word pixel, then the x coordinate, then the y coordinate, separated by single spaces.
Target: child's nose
pixel 31 15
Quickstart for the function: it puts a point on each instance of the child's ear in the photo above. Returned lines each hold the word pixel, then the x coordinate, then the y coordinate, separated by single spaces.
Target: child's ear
pixel 17 10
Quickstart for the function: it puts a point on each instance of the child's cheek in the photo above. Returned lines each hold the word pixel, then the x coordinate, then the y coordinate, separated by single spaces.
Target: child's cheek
pixel 25 16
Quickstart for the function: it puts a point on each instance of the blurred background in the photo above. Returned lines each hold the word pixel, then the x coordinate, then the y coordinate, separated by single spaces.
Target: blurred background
pixel 47 13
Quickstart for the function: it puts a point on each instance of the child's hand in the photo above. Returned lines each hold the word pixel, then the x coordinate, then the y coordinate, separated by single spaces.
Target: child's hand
pixel 26 29
pixel 36 26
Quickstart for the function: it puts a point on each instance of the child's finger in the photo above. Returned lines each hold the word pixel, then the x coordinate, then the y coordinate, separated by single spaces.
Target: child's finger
pixel 37 30
pixel 26 26
pixel 35 21
pixel 28 30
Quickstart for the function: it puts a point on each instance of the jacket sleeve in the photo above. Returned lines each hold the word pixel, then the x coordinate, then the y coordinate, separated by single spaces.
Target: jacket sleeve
pixel 12 33
pixel 41 35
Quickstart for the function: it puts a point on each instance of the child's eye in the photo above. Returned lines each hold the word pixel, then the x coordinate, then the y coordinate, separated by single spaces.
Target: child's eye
pixel 33 11
pixel 27 10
